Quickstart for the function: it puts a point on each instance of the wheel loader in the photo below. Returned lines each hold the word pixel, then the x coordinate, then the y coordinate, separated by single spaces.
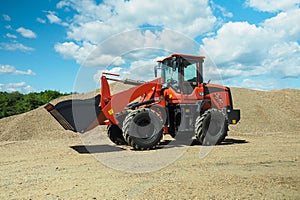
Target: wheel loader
pixel 176 101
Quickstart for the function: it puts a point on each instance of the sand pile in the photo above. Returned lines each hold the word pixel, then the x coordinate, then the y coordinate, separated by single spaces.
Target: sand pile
pixel 261 112
pixel 271 111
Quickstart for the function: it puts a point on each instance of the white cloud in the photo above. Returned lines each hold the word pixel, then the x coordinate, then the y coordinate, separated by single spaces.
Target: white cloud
pixel 238 42
pixel 285 24
pixel 15 46
pixel 8 69
pixel 67 49
pixel 272 5
pixel 105 60
pixel 62 4
pixel 53 19
pixel 87 55
pixel 9 35
pixel 21 87
pixel 6 17
pixel 271 48
pixel 142 70
pixel 139 44
pixel 26 32
pixel 284 59
pixel 222 10
pixel 264 84
pixel 8 27
pixel 42 21
pixel 97 22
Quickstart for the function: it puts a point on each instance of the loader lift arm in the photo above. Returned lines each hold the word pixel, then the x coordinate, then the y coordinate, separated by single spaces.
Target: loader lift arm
pixel 83 115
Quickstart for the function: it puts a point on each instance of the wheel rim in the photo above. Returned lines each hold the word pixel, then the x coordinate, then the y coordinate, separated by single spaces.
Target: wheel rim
pixel 144 129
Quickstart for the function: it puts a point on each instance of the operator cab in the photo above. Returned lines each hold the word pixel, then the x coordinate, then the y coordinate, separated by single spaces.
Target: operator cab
pixel 181 72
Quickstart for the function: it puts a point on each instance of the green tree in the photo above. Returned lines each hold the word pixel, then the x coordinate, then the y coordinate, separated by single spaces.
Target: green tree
pixel 16 103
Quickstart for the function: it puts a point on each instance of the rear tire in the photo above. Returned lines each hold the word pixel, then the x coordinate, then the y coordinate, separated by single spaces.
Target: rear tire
pixel 143 129
pixel 211 127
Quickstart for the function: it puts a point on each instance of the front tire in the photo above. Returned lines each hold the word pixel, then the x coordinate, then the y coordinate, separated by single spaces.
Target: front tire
pixel 143 129
pixel 211 127
pixel 114 132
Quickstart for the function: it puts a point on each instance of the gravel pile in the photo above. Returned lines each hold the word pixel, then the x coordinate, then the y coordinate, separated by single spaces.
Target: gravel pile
pixel 265 112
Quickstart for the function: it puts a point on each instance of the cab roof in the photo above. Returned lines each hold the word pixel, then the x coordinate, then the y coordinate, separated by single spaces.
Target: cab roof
pixel 185 56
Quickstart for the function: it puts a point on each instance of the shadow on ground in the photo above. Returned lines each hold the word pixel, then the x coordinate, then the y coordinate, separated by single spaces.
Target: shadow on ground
pixel 90 149
pixel 105 148
pixel 230 141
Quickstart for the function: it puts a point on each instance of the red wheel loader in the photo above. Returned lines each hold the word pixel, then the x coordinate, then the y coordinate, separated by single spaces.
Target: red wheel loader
pixel 177 101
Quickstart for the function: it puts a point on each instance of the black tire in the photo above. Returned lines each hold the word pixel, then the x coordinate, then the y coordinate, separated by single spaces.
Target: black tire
pixel 143 129
pixel 114 132
pixel 211 127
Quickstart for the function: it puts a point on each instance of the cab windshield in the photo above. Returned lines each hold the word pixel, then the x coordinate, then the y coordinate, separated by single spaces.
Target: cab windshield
pixel 179 74
pixel 170 75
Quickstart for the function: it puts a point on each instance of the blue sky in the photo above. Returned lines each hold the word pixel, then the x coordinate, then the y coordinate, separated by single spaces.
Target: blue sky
pixel 65 45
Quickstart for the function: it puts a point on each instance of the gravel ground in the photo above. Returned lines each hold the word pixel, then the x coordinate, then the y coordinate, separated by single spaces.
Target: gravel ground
pixel 245 167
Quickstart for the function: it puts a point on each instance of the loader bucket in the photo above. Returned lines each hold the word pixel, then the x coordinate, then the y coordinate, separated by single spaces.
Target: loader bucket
pixel 76 115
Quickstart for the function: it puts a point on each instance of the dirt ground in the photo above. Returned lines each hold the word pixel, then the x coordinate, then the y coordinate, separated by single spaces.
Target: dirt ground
pixel 258 160
pixel 246 166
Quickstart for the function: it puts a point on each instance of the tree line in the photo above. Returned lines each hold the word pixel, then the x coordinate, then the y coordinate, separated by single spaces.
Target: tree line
pixel 16 103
